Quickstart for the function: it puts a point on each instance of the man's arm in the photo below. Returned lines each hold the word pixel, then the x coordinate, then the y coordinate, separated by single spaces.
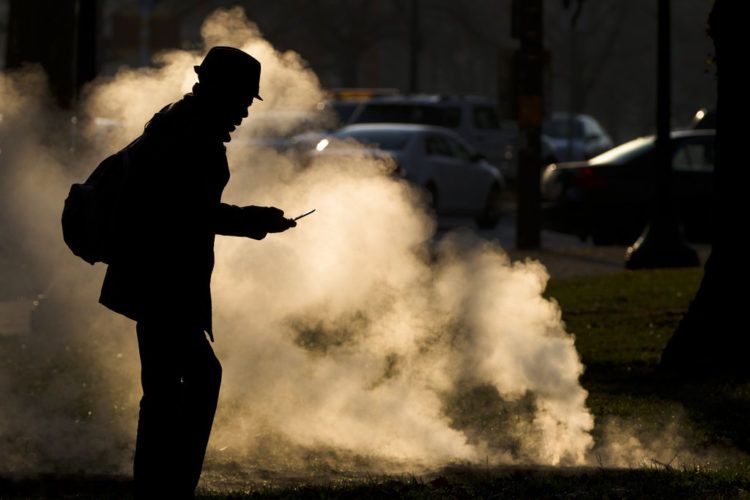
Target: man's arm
pixel 251 221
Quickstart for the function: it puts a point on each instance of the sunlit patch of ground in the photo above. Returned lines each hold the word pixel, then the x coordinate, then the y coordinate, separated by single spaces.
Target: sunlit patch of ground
pixel 691 436
pixel 457 482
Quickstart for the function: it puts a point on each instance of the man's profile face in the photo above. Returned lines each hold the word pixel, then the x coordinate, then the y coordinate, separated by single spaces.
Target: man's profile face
pixel 231 110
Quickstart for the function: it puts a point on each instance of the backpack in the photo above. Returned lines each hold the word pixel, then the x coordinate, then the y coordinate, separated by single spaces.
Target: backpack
pixel 89 217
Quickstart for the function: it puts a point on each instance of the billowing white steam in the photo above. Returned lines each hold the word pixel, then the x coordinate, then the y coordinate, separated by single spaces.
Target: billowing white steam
pixel 348 334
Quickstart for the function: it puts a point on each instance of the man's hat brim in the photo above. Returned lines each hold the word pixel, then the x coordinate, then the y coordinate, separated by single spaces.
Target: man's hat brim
pixel 232 69
pixel 197 69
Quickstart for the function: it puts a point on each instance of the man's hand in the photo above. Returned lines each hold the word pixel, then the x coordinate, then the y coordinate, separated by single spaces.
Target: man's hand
pixel 274 220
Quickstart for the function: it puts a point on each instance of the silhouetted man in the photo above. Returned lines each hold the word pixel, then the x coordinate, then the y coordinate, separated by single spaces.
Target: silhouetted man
pixel 160 276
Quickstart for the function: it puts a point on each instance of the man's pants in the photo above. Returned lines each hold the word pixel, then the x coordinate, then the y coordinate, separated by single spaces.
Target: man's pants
pixel 180 377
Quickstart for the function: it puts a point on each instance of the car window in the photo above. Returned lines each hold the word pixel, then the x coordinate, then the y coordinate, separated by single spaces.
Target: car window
pixel 586 128
pixel 344 109
pixel 485 117
pixel 694 157
pixel 441 116
pixel 458 150
pixel 388 140
pixel 436 145
pixel 596 129
pixel 558 128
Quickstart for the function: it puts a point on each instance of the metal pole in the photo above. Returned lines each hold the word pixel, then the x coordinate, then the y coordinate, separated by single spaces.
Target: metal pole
pixel 144 35
pixel 573 92
pixel 527 16
pixel 663 100
pixel 414 46
pixel 661 244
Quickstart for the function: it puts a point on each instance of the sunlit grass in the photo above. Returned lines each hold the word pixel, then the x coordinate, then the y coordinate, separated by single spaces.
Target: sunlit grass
pixel 621 323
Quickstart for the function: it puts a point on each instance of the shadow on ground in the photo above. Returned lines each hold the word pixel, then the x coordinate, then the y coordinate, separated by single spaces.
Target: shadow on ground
pixel 455 482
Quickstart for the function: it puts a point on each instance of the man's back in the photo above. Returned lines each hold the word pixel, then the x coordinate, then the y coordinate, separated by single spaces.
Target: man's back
pixel 177 172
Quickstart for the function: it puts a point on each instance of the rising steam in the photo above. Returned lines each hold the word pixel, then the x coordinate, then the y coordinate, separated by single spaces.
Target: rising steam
pixel 351 337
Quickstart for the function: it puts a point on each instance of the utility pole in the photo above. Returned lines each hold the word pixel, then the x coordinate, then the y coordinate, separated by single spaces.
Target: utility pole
pixel 527 26
pixel 661 244
pixel 574 92
pixel 414 47
pixel 59 35
pixel 144 33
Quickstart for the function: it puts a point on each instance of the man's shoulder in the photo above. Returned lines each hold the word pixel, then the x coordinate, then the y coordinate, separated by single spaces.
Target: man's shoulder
pixel 169 119
pixel 182 121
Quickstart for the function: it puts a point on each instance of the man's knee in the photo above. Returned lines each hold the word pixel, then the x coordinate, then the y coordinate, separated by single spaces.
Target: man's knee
pixel 210 372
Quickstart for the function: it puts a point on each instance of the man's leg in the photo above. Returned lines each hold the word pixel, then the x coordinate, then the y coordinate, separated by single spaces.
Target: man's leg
pixel 180 377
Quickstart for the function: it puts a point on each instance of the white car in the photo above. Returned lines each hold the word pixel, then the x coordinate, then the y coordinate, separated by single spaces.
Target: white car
pixel 576 137
pixel 474 118
pixel 459 180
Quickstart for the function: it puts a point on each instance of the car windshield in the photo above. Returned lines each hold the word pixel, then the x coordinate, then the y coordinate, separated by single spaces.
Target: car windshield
pixel 441 116
pixel 485 117
pixel 388 140
pixel 624 152
pixel 559 128
pixel 344 109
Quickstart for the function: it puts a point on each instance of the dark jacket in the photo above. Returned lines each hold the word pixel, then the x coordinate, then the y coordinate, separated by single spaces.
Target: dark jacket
pixel 170 211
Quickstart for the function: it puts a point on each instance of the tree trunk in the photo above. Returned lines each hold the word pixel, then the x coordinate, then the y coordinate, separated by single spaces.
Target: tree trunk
pixel 713 335
pixel 59 35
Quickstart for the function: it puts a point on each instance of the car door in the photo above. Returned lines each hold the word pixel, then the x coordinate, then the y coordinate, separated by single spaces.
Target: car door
pixel 486 135
pixel 471 181
pixel 444 170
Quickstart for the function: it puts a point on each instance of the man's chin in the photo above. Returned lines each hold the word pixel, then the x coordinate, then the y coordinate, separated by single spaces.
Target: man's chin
pixel 226 133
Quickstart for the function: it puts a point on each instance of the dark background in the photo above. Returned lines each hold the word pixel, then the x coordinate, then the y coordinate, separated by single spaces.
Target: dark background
pixel 458 48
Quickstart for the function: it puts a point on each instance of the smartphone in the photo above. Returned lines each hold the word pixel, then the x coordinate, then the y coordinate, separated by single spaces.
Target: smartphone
pixel 304 215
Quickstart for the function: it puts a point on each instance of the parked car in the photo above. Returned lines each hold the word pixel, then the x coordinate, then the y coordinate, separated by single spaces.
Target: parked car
pixel 609 196
pixel 472 117
pixel 343 102
pixel 575 137
pixel 703 118
pixel 276 129
pixel 458 179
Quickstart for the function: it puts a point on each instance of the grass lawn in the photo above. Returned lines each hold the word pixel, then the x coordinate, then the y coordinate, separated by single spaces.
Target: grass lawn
pixel 621 323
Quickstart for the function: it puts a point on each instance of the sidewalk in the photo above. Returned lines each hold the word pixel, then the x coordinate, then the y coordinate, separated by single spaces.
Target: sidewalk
pixel 564 255
pixel 577 261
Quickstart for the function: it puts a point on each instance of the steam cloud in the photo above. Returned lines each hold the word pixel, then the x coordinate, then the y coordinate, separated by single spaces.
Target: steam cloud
pixel 344 341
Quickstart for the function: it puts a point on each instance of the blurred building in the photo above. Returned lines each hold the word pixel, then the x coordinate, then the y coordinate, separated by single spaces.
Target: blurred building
pixel 602 65
pixel 3 30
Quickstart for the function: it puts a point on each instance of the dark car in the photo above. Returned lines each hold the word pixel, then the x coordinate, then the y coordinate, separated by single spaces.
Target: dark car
pixel 609 196
pixel 703 118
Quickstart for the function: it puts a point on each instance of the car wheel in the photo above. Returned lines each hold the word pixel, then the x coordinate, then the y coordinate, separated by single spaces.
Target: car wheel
pixel 432 197
pixel 493 209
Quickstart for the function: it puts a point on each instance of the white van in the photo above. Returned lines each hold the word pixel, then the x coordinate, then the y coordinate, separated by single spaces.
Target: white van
pixel 472 117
